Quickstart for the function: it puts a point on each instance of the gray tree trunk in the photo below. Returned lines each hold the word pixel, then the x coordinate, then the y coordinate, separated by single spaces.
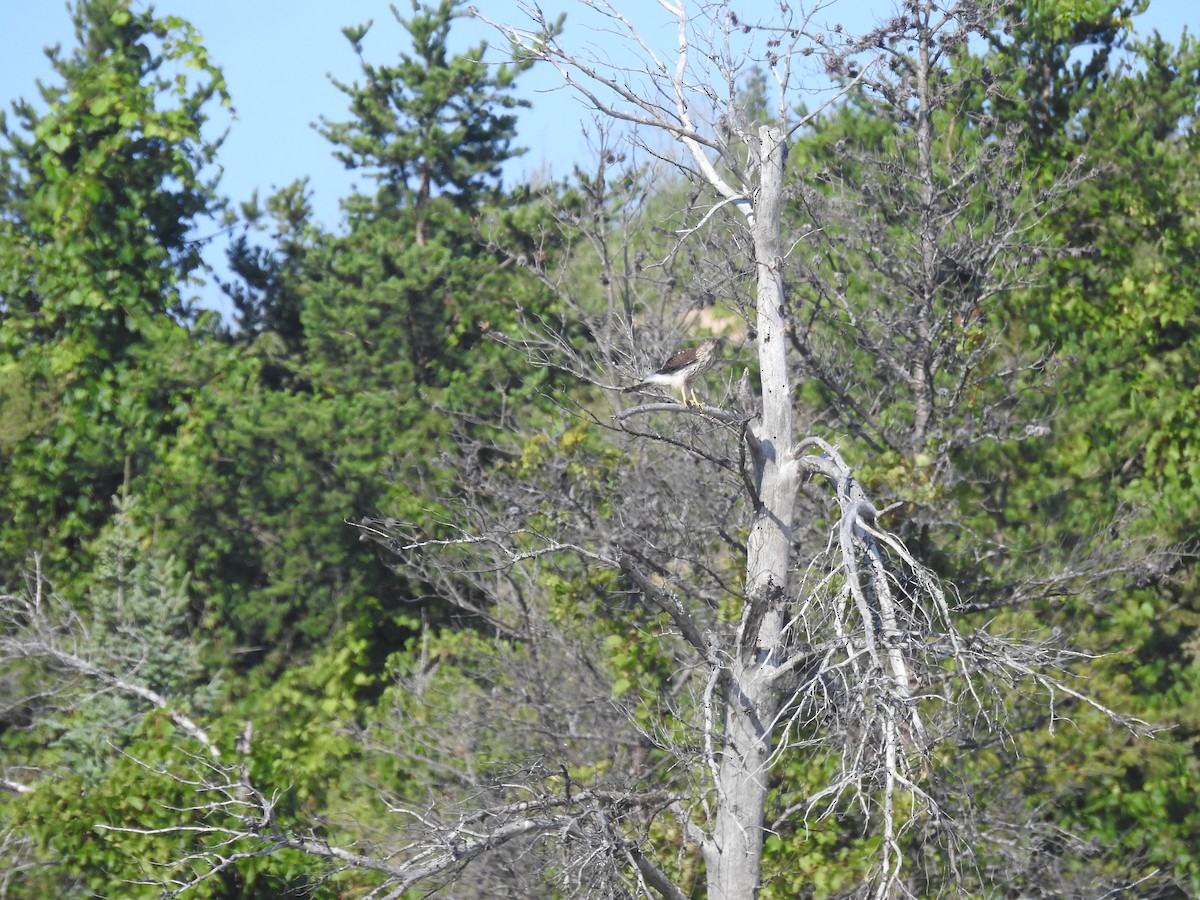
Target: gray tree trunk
pixel 752 697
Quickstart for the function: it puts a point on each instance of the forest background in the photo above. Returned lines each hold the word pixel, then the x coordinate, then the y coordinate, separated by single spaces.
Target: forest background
pixel 237 658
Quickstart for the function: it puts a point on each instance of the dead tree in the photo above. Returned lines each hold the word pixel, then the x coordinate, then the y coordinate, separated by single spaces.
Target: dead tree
pixel 872 623
pixel 862 634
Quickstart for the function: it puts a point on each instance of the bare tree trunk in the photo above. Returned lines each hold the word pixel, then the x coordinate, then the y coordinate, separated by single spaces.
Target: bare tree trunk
pixel 921 375
pixel 752 697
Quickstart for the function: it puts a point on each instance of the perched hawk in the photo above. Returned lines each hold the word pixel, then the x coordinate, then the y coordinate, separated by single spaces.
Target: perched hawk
pixel 682 369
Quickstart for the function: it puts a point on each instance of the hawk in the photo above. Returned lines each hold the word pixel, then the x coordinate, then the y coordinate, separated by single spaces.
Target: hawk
pixel 682 369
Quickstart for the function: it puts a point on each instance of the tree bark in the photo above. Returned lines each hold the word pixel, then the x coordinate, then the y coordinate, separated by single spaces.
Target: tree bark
pixel 734 854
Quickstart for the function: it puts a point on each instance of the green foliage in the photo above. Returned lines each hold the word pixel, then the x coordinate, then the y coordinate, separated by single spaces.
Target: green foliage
pixel 423 292
pixel 95 738
pixel 820 861
pixel 1120 313
pixel 138 825
pixel 433 129
pixel 254 492
pixel 270 281
pixel 360 353
pixel 138 617
pixel 1114 478
pixel 1125 319
pixel 117 804
pixel 99 194
pixel 1051 56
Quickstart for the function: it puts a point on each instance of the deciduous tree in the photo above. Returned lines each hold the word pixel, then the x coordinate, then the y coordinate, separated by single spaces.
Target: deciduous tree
pixel 101 193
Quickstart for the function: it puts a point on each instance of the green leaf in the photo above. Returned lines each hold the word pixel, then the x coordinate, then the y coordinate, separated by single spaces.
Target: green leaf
pixel 58 142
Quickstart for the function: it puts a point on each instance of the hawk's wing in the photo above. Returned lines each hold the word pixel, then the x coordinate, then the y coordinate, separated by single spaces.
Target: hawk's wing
pixel 680 360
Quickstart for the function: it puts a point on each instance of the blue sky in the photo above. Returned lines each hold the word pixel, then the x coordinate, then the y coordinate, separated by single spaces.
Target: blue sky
pixel 278 55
